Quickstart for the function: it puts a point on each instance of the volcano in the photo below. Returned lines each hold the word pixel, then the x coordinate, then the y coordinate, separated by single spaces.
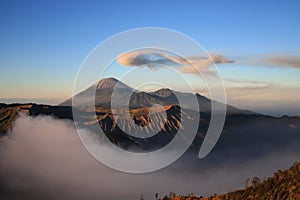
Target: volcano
pixel 139 99
pixel 245 130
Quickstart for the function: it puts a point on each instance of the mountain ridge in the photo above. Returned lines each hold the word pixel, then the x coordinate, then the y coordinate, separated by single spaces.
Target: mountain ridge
pixel 242 130
pixel 104 88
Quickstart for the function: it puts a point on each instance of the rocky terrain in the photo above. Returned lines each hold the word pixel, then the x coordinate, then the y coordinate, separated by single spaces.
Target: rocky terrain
pixel 246 136
pixel 252 131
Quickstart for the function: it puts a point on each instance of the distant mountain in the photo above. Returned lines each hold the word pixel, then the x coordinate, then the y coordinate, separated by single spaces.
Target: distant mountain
pixel 9 113
pixel 242 127
pixel 104 89
pixel 245 133
pixel 110 83
pixel 139 99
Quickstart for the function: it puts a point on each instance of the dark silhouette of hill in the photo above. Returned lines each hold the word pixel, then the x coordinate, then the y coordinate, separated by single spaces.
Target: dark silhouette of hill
pixel 285 184
pixel 9 113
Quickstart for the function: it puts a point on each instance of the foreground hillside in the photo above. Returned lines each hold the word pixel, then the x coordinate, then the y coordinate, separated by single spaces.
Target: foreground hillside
pixel 244 135
pixel 9 113
pixel 284 185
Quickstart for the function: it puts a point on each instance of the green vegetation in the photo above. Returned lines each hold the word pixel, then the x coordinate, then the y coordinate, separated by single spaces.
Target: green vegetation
pixel 284 185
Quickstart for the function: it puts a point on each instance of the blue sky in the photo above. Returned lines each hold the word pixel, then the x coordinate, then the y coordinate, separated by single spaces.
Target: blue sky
pixel 43 43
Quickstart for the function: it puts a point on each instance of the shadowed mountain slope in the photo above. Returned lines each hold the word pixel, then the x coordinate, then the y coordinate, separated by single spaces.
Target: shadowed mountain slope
pixel 139 99
pixel 283 185
pixel 245 134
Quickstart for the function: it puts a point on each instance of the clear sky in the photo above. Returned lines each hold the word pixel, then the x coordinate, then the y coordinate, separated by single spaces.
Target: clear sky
pixel 43 43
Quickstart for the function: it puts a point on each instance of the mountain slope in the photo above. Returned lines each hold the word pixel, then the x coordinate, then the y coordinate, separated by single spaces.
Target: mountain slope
pixel 247 135
pixel 284 185
pixel 139 99
pixel 9 113
pixel 242 128
pixel 104 89
pixel 244 138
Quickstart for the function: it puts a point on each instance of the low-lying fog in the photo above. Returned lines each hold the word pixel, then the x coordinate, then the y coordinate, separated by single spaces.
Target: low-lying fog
pixel 44 159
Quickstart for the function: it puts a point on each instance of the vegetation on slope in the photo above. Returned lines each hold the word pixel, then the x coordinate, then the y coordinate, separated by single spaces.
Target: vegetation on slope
pixel 283 185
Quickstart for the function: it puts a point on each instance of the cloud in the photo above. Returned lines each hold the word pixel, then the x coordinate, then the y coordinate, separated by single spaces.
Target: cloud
pixel 44 159
pixel 271 60
pixel 266 98
pixel 148 57
pixel 243 84
pixel 202 63
pixel 284 60
pixel 155 58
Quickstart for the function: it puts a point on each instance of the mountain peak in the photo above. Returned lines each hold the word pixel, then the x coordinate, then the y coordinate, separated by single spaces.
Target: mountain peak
pixel 163 92
pixel 107 83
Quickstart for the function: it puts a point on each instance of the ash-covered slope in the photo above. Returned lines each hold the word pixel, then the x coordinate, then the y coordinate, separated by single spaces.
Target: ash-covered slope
pixel 104 89
pixel 245 133
pixel 139 99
